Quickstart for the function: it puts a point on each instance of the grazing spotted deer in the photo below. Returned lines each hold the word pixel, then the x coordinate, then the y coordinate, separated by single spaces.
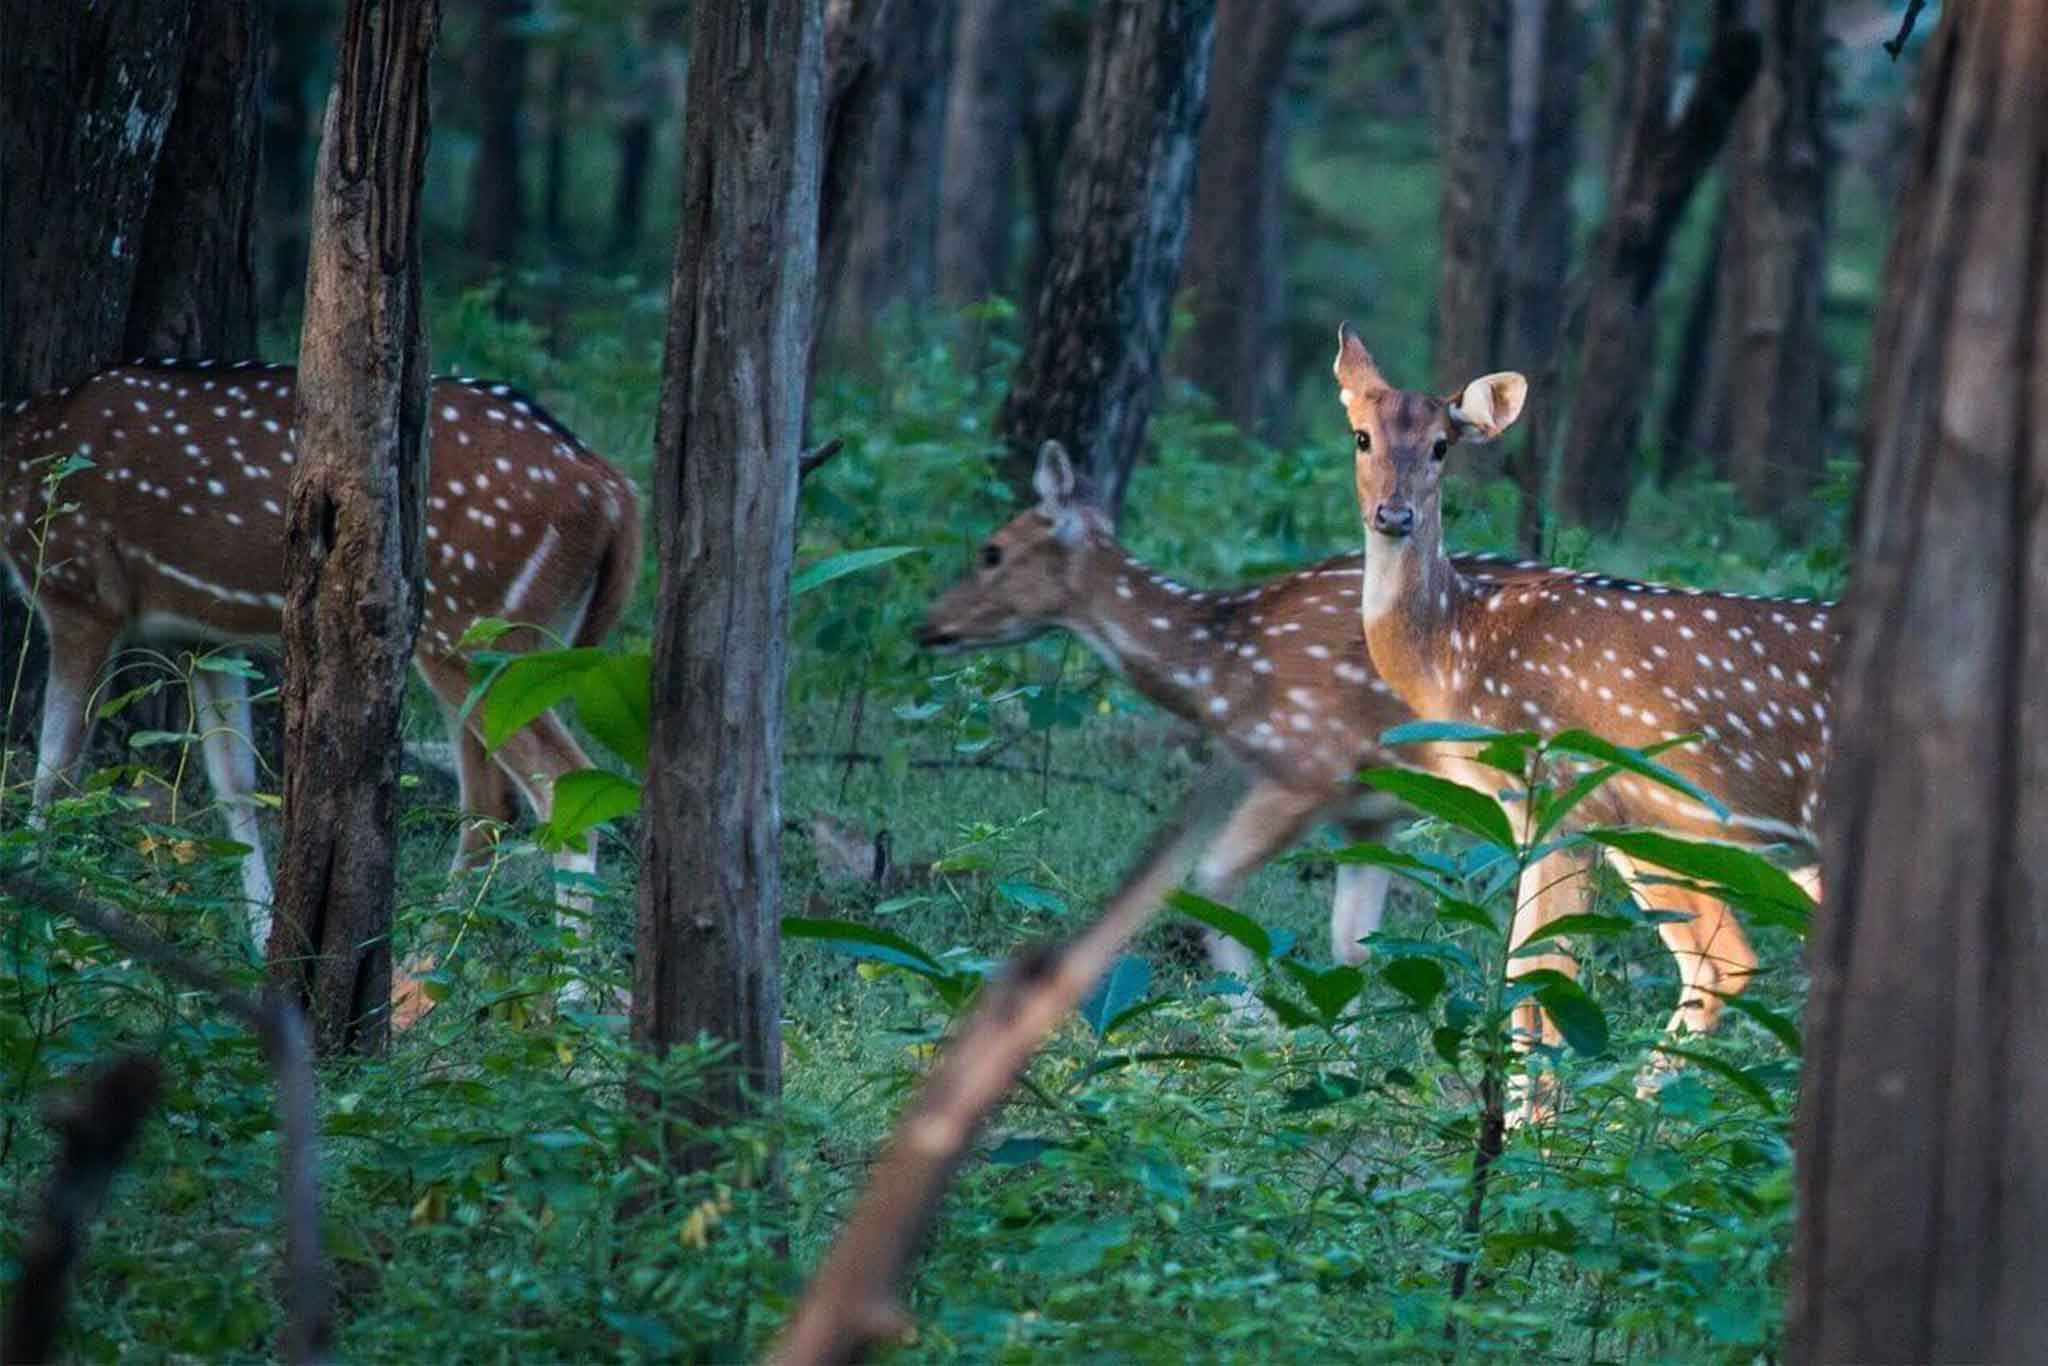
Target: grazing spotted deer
pixel 175 533
pixel 1275 671
pixel 1633 662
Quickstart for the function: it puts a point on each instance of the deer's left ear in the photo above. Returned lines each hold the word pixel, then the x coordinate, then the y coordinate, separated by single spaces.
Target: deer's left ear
pixel 1488 405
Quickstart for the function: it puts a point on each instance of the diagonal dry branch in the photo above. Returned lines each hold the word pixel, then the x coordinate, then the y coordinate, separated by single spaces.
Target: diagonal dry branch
pixel 282 1027
pixel 852 1303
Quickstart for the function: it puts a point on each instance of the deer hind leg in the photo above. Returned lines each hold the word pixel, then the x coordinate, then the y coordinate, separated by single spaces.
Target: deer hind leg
pixel 488 797
pixel 1547 891
pixel 79 649
pixel 1359 905
pixel 1268 819
pixel 220 713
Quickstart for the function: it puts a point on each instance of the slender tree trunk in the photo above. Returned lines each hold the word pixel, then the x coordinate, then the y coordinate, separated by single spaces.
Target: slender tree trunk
pixel 1657 165
pixel 497 198
pixel 1775 359
pixel 1470 281
pixel 1056 65
pixel 1089 375
pixel 561 74
pixel 353 530
pixel 1695 416
pixel 1923 1164
pixel 299 45
pixel 985 104
pixel 1236 270
pixel 1548 51
pixel 726 450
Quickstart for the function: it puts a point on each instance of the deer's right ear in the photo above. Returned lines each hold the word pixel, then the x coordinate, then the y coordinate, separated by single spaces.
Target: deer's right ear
pixel 1053 481
pixel 1489 405
pixel 1356 375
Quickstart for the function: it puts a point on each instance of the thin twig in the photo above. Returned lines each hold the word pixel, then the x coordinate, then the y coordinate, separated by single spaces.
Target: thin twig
pixel 281 1026
pixel 852 1302
pixel 96 1130
pixel 817 456
pixel 1906 22
pixel 976 766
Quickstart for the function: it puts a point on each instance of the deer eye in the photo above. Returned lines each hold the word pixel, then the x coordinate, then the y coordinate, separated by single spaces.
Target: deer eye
pixel 991 555
pixel 1436 452
pixel 1363 439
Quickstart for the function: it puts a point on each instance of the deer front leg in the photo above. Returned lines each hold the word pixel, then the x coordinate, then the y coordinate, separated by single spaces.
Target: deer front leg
pixel 1544 893
pixel 79 648
pixel 220 707
pixel 1268 819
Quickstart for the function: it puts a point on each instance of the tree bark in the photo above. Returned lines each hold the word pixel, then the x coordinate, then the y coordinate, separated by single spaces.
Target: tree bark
pixel 726 453
pixel 1089 375
pixel 1923 1165
pixel 985 102
pixel 1236 351
pixel 1548 52
pixel 1474 156
pixel 1657 165
pixel 497 199
pixel 561 75
pixel 353 530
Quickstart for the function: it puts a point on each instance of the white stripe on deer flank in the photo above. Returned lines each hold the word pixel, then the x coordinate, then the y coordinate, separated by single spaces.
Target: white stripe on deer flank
pixel 522 585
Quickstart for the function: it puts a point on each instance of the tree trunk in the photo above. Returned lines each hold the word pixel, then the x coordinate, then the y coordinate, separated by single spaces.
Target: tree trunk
pixel 1923 1165
pixel 497 200
pixel 1474 155
pixel 353 530
pixel 1056 65
pixel 300 45
pixel 1236 351
pixel 1657 165
pixel 561 73
pixel 1694 416
pixel 1774 361
pixel 1089 375
pixel 1548 52
pixel 985 101
pixel 706 960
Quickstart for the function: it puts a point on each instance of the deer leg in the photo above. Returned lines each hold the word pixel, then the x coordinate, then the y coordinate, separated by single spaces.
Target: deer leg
pixel 1544 893
pixel 487 795
pixel 220 707
pixel 1268 819
pixel 79 648
pixel 1359 904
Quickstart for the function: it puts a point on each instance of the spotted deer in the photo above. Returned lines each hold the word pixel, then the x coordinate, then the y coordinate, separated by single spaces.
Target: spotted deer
pixel 1275 671
pixel 1553 649
pixel 175 533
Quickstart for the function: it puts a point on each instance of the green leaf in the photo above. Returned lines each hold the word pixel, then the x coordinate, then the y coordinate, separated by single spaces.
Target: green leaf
pixel 865 941
pixel 149 739
pixel 851 562
pixel 1590 746
pixel 1031 896
pixel 1577 1016
pixel 1223 920
pixel 1120 987
pixel 614 702
pixel 114 706
pixel 1437 733
pixel 1329 990
pixel 529 685
pixel 1742 877
pixel 1780 1028
pixel 1728 1072
pixel 1286 1011
pixel 1589 924
pixel 484 631
pixel 1020 1149
pixel 1325 1089
pixel 1468 809
pixel 1458 911
pixel 234 665
pixel 584 800
pixel 1421 980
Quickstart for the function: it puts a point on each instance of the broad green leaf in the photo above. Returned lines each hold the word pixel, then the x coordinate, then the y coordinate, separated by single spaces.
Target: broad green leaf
pixel 1223 920
pixel 613 701
pixel 1468 809
pixel 234 665
pixel 115 705
pixel 865 941
pixel 1577 1016
pixel 586 799
pixel 1728 1072
pixel 1120 987
pixel 1421 980
pixel 1459 911
pixel 1019 1149
pixel 851 562
pixel 1744 878
pixel 484 631
pixel 1328 990
pixel 529 685
pixel 1437 732
pixel 149 739
pixel 1286 1011
pixel 1587 745
pixel 1031 896
pixel 1780 1028
pixel 1589 924
pixel 1327 1088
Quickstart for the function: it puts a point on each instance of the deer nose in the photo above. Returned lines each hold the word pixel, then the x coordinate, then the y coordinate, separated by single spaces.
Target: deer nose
pixel 1395 517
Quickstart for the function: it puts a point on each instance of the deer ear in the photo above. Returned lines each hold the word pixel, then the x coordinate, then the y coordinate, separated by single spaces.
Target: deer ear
pixel 1489 405
pixel 1356 374
pixel 1053 481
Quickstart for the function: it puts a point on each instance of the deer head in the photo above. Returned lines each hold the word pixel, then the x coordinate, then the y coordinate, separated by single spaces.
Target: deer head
pixel 1031 574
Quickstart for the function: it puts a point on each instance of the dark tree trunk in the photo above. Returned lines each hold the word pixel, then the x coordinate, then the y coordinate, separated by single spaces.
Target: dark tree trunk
pixel 1923 1164
pixel 1470 279
pixel 1089 375
pixel 1773 360
pixel 560 76
pixel 1547 54
pixel 353 530
pixel 497 198
pixel 298 54
pixel 706 960
pixel 645 99
pixel 1693 411
pixel 1056 65
pixel 1657 164
pixel 985 103
pixel 1236 351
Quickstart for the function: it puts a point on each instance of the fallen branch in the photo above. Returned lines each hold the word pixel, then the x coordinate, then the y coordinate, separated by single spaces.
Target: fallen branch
pixel 281 1026
pixel 976 766
pixel 96 1130
pixel 852 1302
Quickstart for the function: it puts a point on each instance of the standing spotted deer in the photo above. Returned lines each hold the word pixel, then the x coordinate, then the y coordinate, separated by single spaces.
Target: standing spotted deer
pixel 1633 662
pixel 175 533
pixel 1275 671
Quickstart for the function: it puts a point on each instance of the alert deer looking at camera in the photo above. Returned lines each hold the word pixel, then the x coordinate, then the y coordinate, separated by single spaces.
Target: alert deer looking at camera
pixel 175 533
pixel 1276 671
pixel 1633 662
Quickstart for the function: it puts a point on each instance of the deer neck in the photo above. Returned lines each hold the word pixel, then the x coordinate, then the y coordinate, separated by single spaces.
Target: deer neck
pixel 1146 627
pixel 1410 606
